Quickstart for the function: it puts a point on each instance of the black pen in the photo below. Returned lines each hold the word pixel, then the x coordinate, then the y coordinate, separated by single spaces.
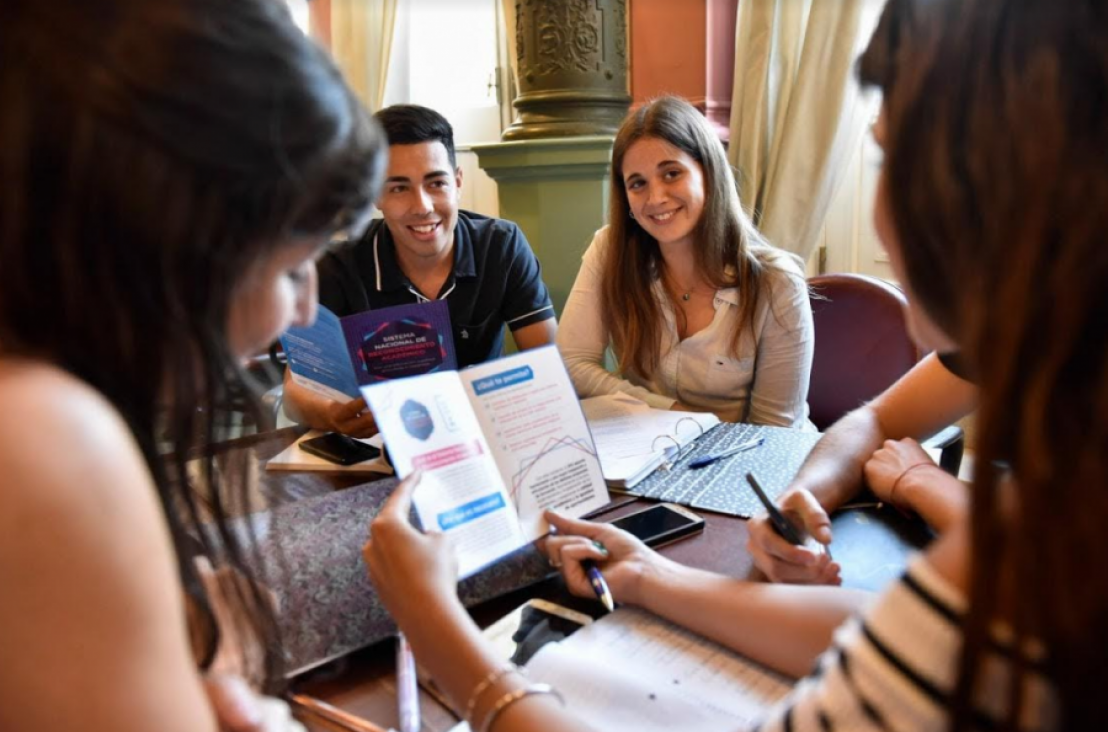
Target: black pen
pixel 783 526
pixel 706 460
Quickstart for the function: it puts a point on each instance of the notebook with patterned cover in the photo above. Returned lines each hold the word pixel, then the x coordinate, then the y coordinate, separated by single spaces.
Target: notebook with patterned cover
pixel 721 486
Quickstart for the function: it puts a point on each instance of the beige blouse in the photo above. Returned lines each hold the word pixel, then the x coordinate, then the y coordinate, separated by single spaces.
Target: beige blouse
pixel 766 382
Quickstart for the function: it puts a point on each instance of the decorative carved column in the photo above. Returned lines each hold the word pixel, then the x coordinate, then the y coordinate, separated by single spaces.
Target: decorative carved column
pixel 572 65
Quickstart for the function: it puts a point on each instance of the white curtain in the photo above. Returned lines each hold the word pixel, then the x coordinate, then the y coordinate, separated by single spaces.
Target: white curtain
pixel 797 115
pixel 361 43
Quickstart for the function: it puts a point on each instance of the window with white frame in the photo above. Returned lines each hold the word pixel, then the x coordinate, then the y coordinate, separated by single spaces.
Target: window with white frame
pixel 444 56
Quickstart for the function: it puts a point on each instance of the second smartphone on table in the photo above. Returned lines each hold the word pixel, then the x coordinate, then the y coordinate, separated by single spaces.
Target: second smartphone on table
pixel 661 524
pixel 339 449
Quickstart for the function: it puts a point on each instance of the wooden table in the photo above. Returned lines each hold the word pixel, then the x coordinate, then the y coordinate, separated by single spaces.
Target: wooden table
pixel 363 683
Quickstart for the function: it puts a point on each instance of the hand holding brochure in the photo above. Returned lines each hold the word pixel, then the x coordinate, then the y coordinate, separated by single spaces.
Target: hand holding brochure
pixel 334 356
pixel 497 444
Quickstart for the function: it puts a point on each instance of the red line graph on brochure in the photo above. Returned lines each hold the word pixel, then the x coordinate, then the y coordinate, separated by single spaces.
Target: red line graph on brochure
pixel 552 445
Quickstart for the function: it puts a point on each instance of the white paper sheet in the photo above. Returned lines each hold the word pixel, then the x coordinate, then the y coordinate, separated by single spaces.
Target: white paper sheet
pixel 627 430
pixel 632 671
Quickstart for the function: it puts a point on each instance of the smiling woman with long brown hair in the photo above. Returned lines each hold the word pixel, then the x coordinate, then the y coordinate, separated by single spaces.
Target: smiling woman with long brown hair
pixel 700 311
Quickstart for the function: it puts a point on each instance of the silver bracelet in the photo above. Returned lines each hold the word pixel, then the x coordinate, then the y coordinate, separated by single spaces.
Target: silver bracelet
pixel 493 676
pixel 513 696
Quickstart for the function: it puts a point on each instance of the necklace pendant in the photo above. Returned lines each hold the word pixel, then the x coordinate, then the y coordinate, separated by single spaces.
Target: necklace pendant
pixel 685 297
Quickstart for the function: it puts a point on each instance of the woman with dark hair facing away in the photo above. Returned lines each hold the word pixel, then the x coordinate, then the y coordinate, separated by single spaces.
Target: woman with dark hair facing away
pixel 993 206
pixel 171 170
pixel 700 311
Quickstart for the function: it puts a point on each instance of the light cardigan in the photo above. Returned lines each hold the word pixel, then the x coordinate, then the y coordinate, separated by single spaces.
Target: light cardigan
pixel 767 383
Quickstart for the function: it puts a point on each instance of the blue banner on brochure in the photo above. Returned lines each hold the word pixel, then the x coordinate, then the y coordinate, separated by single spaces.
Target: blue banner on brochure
pixel 470 511
pixel 404 340
pixel 503 380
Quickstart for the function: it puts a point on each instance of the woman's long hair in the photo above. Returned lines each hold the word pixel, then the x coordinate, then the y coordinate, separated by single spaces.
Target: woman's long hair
pixel 729 250
pixel 152 151
pixel 997 165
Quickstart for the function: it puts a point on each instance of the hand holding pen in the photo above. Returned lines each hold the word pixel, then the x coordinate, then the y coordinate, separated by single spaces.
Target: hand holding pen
pixel 783 562
pixel 592 573
pixel 596 579
pixel 785 528
pixel 782 526
pixel 619 559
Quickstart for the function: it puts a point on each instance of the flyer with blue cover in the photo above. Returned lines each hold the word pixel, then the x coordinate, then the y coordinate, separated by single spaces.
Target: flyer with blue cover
pixel 497 444
pixel 335 356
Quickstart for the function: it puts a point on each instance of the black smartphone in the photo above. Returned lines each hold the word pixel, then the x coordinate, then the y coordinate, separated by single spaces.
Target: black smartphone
pixel 661 524
pixel 339 449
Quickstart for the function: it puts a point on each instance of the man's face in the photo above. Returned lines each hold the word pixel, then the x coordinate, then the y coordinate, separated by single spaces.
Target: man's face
pixel 420 200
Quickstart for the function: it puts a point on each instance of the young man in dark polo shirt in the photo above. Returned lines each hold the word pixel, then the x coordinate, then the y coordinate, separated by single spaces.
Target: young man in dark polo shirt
pixel 425 248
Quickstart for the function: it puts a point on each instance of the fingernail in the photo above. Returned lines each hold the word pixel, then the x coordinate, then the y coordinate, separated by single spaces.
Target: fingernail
pixel 600 547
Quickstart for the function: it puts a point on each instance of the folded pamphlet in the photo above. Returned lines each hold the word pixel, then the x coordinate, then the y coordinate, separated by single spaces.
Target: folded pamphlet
pixel 335 356
pixel 497 444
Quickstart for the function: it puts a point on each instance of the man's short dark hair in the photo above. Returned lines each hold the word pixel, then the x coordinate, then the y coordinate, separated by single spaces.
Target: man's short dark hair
pixel 411 124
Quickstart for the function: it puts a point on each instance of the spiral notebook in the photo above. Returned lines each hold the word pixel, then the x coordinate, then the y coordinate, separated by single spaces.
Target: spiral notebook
pixel 633 440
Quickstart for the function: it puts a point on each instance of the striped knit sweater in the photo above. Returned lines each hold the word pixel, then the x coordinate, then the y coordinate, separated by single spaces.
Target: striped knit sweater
pixel 895 667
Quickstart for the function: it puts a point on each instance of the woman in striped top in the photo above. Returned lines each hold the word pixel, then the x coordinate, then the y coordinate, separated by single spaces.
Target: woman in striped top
pixel 993 206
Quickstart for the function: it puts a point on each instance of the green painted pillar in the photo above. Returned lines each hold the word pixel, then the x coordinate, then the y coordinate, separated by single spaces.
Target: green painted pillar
pixel 556 189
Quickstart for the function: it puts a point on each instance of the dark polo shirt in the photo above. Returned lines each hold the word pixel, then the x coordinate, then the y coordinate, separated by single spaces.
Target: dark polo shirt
pixel 496 281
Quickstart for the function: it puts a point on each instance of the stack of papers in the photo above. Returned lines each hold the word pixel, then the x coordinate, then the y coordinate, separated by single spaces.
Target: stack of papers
pixel 632 671
pixel 633 440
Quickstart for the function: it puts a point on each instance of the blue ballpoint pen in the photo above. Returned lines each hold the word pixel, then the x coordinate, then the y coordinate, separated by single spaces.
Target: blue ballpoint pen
pixel 706 460
pixel 599 586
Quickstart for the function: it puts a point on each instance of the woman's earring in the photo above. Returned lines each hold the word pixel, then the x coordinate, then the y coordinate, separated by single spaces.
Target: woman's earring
pixel 631 213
